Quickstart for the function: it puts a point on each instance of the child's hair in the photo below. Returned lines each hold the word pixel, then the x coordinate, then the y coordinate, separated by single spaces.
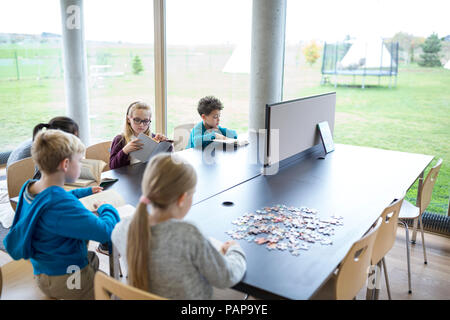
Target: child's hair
pixel 208 104
pixel 128 130
pixel 165 179
pixel 62 123
pixel 50 147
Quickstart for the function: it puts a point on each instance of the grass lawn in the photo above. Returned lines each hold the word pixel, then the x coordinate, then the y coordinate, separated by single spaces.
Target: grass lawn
pixel 412 117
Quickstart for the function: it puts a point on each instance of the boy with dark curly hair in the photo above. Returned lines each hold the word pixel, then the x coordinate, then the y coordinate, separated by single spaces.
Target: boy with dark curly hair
pixel 208 129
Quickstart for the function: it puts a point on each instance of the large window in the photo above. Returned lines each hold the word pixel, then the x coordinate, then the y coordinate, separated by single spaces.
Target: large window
pixel 120 61
pixel 31 68
pixel 119 44
pixel 406 113
pixel 208 53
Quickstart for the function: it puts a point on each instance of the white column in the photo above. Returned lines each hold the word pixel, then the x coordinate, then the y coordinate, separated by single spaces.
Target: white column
pixel 266 70
pixel 267 58
pixel 159 9
pixel 75 65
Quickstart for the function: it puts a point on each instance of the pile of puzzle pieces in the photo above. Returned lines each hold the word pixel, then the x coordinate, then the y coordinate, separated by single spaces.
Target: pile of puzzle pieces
pixel 285 228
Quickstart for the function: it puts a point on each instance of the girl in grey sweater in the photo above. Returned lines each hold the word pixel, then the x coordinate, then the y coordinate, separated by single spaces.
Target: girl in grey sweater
pixel 167 256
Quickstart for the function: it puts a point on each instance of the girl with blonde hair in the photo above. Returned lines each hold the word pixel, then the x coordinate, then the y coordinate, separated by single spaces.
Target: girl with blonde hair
pixel 165 255
pixel 138 119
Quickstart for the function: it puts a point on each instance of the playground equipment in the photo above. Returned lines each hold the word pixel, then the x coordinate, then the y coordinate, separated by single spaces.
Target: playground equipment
pixel 360 58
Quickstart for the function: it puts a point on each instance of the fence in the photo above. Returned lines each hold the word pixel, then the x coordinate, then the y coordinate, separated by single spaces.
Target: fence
pixel 21 65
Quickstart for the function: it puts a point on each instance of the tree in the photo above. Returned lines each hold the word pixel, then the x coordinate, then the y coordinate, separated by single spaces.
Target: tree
pixel 430 55
pixel 311 52
pixel 407 44
pixel 137 65
pixel 415 43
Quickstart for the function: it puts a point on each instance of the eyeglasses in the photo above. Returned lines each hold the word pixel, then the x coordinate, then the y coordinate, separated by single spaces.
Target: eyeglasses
pixel 145 122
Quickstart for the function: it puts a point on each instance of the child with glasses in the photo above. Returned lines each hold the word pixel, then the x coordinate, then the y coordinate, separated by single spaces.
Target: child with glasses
pixel 138 120
pixel 208 129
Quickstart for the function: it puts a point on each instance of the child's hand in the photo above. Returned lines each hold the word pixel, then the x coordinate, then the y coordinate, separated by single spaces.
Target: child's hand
pixel 97 189
pixel 98 204
pixel 132 146
pixel 226 245
pixel 220 137
pixel 160 137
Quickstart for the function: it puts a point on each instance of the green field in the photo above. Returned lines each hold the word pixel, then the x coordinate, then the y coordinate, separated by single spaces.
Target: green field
pixel 413 116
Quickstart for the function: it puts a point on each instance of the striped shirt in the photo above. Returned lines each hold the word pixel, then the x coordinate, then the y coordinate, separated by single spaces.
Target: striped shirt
pixel 27 195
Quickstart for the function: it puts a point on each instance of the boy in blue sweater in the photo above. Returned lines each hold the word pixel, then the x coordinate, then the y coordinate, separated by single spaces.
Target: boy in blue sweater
pixel 208 129
pixel 51 226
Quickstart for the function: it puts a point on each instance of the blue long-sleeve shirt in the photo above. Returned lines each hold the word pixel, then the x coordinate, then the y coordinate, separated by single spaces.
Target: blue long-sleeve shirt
pixel 200 138
pixel 52 230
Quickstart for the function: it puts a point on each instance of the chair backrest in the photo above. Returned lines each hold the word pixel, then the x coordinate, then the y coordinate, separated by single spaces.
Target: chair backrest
pixel 388 230
pixel 18 282
pixel 100 151
pixel 16 175
pixel 428 185
pixel 181 135
pixel 105 287
pixel 352 274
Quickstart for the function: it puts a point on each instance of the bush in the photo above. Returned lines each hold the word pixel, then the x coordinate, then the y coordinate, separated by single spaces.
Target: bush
pixel 137 65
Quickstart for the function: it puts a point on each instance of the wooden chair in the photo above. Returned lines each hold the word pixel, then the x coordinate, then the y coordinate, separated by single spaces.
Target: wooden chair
pixel 17 174
pixel 351 275
pixel 384 242
pixel 105 287
pixel 100 151
pixel 408 211
pixel 17 282
pixel 181 135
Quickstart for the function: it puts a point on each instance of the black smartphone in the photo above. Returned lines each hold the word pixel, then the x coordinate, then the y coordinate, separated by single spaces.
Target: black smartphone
pixel 107 182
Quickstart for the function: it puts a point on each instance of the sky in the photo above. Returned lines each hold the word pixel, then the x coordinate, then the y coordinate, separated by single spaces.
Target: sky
pixel 229 21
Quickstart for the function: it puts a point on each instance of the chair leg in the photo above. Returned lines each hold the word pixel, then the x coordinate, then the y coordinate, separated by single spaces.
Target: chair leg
pixel 386 278
pixel 407 255
pixel 376 291
pixel 423 240
pixel 120 269
pixel 371 283
pixel 414 234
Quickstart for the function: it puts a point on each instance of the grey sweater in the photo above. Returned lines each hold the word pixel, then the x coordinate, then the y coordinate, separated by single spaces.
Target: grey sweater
pixel 21 152
pixel 183 263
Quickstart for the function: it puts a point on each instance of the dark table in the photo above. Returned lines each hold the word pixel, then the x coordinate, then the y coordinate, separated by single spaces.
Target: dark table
pixel 354 182
pixel 217 171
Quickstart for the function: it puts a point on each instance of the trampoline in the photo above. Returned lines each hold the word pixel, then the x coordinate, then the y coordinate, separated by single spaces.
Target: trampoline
pixel 360 58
